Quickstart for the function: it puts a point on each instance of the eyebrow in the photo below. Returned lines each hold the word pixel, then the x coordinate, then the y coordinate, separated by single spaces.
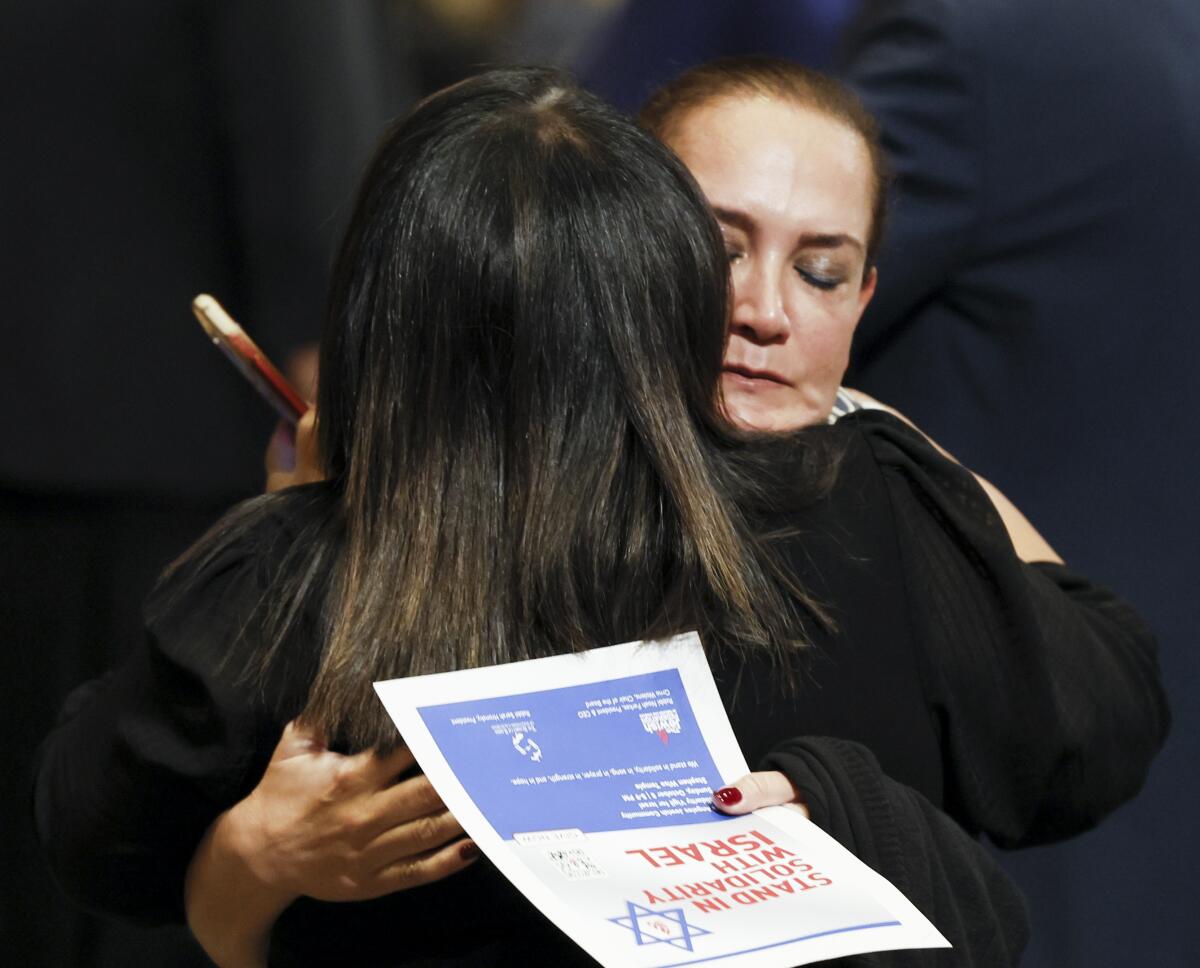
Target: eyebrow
pixel 819 240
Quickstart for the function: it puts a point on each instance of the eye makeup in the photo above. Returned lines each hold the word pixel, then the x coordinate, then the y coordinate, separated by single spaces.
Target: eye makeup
pixel 821 272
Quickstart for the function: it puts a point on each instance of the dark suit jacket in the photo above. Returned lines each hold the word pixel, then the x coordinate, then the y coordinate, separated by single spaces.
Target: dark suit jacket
pixel 648 42
pixel 149 150
pixel 1036 314
pixel 154 149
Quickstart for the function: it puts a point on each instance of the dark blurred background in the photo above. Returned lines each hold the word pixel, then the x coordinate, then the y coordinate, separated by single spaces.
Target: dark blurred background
pixel 152 150
pixel 1033 315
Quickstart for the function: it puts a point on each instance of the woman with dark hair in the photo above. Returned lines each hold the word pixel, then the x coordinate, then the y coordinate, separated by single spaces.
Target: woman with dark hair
pixel 525 453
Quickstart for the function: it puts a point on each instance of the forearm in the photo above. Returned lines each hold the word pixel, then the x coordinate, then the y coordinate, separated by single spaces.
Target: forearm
pixel 1107 710
pixel 924 853
pixel 1051 695
pixel 1047 686
pixel 230 909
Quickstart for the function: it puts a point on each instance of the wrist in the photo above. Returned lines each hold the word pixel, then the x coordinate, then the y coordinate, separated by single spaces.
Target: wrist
pixel 231 899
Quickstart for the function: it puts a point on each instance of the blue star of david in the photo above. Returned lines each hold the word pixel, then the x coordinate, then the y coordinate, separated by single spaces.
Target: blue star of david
pixel 659 927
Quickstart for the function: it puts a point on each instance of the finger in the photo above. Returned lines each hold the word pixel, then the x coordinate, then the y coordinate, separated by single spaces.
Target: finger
pixel 302 368
pixel 396 805
pixel 427 868
pixel 308 458
pixel 382 769
pixel 306 429
pixel 376 769
pixel 405 801
pixel 413 838
pixel 766 789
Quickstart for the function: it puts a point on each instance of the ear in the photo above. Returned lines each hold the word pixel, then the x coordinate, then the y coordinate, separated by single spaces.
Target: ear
pixel 868 289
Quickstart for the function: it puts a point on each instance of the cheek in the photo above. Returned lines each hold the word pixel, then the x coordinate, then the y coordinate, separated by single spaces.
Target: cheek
pixel 823 330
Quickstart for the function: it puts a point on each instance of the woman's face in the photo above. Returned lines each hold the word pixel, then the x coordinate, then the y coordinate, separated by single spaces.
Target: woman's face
pixel 792 190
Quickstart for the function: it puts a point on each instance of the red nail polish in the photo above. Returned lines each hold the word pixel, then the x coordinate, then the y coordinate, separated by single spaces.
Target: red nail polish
pixel 728 796
pixel 469 850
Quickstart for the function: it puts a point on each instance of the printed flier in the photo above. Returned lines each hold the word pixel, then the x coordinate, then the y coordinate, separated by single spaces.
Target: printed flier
pixel 587 780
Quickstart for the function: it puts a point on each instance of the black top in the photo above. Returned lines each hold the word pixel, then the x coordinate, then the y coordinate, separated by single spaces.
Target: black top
pixel 1022 700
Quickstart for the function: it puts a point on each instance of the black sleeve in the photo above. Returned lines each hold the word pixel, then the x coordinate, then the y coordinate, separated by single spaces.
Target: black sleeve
pixel 1046 686
pixel 948 876
pixel 143 760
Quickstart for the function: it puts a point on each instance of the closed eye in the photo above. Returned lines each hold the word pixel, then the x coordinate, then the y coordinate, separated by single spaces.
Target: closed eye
pixel 819 281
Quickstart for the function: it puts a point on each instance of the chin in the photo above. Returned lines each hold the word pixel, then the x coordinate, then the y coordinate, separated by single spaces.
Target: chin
pixel 752 414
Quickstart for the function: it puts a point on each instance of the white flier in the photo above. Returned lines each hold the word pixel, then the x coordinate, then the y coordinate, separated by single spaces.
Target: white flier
pixel 587 778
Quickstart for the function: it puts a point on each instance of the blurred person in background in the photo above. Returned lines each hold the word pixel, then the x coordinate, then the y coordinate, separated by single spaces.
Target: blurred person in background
pixel 153 149
pixel 444 41
pixel 642 44
pixel 1033 315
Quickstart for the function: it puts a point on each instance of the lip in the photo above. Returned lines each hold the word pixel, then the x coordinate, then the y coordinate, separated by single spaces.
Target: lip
pixel 747 375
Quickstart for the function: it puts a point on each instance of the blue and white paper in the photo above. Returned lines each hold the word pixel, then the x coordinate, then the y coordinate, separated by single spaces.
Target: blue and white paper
pixel 587 780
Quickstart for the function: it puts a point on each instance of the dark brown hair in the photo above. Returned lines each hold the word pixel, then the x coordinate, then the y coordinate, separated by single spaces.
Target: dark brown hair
pixel 773 77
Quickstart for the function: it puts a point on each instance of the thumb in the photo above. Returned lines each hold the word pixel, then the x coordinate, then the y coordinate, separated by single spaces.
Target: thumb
pixel 766 789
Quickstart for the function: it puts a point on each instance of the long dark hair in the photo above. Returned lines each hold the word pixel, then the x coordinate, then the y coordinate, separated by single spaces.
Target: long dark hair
pixel 518 407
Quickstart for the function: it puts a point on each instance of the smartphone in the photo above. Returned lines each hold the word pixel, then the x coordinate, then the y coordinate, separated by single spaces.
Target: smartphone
pixel 250 361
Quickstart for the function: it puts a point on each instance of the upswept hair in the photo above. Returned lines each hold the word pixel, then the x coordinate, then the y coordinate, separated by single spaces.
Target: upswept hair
pixel 784 80
pixel 518 409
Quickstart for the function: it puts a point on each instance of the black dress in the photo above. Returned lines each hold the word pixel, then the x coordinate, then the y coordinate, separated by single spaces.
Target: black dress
pixel 1021 701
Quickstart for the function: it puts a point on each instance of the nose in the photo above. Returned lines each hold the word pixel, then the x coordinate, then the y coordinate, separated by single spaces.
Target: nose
pixel 758 311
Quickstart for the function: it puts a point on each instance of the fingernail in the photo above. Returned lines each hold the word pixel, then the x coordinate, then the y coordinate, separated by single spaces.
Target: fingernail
pixel 469 850
pixel 728 796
